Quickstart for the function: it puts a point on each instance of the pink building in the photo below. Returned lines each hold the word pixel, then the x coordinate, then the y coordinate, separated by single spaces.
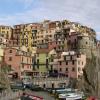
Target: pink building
pixel 72 40
pixel 70 64
pixel 18 61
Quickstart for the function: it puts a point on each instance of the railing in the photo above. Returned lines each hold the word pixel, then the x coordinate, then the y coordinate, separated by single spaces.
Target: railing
pixel 43 80
pixel 10 95
pixel 49 81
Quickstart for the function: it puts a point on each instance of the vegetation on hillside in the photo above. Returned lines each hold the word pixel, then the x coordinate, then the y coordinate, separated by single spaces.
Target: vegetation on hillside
pixel 4 81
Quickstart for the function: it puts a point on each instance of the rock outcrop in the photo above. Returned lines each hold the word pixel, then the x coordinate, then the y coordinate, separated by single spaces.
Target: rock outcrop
pixel 91 76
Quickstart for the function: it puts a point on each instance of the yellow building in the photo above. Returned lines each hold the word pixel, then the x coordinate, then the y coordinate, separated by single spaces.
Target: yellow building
pixel 26 38
pixel 6 30
pixel 25 34
pixel 41 65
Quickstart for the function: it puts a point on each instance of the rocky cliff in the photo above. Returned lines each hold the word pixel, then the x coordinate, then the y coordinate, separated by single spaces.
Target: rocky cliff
pixel 91 76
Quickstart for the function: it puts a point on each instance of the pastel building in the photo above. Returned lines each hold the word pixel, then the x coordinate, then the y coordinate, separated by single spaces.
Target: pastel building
pixel 6 30
pixel 3 41
pixel 3 44
pixel 40 66
pixel 42 58
pixel 19 61
pixel 22 32
pixel 70 64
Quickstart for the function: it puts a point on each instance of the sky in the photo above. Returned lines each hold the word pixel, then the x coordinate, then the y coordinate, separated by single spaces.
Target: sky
pixel 86 12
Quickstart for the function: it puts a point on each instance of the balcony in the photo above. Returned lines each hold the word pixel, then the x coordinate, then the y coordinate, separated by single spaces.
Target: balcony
pixel 25 63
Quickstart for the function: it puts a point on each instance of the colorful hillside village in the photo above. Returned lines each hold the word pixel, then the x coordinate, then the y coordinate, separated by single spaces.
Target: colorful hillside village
pixel 46 49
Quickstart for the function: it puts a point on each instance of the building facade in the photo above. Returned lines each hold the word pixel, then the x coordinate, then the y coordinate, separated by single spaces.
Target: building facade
pixel 18 61
pixel 70 64
pixel 6 31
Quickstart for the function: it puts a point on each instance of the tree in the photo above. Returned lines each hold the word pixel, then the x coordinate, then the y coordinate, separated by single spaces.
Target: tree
pixel 4 81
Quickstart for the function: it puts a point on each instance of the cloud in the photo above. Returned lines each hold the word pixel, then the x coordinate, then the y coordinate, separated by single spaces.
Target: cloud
pixel 98 35
pixel 86 12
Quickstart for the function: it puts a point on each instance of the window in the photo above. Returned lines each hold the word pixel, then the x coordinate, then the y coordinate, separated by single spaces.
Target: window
pixel 22 66
pixel 51 59
pixel 79 76
pixel 10 51
pixel 66 75
pixel 75 40
pixel 78 62
pixel 70 57
pixel 82 62
pixel 3 27
pixel 66 62
pixel 46 61
pixel 86 42
pixel 22 59
pixel 73 62
pixel 78 56
pixel 60 69
pixel 64 57
pixel 30 67
pixel 37 61
pixel 73 69
pixel 10 58
pixel 9 67
pixel 51 67
pixel 22 73
pixel 60 63
pixel 79 69
pixel 3 31
pixel 66 69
